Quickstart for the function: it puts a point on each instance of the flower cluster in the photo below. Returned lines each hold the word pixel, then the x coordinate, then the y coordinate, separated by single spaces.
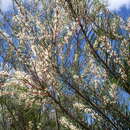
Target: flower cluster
pixel 65 122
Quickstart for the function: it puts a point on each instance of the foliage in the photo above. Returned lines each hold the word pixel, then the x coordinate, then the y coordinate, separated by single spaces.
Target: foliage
pixel 65 63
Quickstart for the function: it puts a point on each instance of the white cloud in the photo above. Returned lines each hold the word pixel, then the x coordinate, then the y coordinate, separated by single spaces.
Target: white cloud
pixel 117 4
pixel 5 5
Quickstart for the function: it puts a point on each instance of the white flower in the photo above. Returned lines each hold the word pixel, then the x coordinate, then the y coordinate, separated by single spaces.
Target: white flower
pixel 75 76
pixel 80 106
pixel 66 123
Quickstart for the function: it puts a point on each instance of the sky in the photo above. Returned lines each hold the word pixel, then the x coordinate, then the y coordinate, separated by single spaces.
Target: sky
pixel 112 4
pixel 118 4
pixel 5 5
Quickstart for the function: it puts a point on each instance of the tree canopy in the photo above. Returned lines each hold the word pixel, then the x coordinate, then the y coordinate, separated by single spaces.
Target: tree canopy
pixel 63 66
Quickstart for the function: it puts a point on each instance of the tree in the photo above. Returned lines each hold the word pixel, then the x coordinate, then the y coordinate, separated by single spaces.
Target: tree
pixel 67 60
